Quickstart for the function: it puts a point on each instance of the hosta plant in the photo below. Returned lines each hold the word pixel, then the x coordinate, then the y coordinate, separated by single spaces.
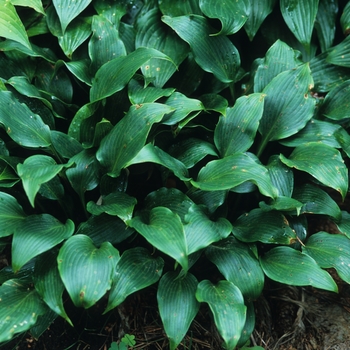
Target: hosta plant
pixel 143 141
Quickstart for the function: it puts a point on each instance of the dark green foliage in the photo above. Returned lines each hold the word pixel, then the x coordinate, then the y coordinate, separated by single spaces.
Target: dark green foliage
pixel 196 129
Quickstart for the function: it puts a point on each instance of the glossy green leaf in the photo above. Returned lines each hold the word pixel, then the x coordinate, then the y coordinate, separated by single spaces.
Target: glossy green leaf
pixel 105 43
pixel 326 75
pixel 11 26
pixel 336 103
pixel 20 306
pixel 287 105
pixel 52 189
pixel 238 265
pixel 153 33
pixel 345 19
pixel 183 106
pixel 201 231
pixel 11 214
pixel 154 154
pixel 164 230
pixel 135 270
pixel 330 251
pixel 283 204
pixel 325 24
pixel 21 124
pixel 343 139
pixel 192 150
pixel 128 137
pixel 317 201
pixel 48 283
pixel 84 174
pixel 235 132
pixel 340 54
pixel 226 173
pixel 259 10
pixel 116 204
pixel 177 305
pixel 227 305
pixel 281 176
pixel 114 75
pixel 315 131
pixel 344 224
pixel 34 4
pixel 139 94
pixel 214 102
pixel 212 200
pixel 179 8
pixel 65 145
pixel 279 58
pixel 8 175
pixel 268 227
pixel 171 198
pixel 301 269
pixel 78 31
pixel 37 234
pixel 105 228
pixel 35 171
pixel 214 54
pixel 86 271
pixel 232 14
pixel 67 10
pixel 300 17
pixel 322 162
pixel 80 69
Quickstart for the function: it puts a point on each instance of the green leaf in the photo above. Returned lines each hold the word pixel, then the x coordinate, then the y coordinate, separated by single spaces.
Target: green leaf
pixel 344 225
pixel 238 265
pixel 325 24
pixel 105 43
pixel 177 305
pixel 114 75
pixel 330 250
pixel 35 171
pixel 20 306
pixel 326 75
pixel 345 19
pixel 171 198
pixel 227 305
pixel 34 4
pixel 281 176
pixel 164 230
pixel 11 214
pixel 284 204
pixel 301 269
pixel 322 162
pixel 317 201
pixel 135 270
pixel 65 145
pixel 84 176
pixel 214 54
pixel 152 33
pixel 201 231
pixel 105 228
pixel 259 10
pixel 336 103
pixel 192 150
pixel 154 154
pixel 37 234
pixel 268 227
pixel 315 131
pixel 279 58
pixel 235 132
pixel 116 203
pixel 21 124
pixel 287 105
pixel 67 10
pixel 175 8
pixel 212 200
pixel 48 283
pixel 300 17
pixel 183 106
pixel 232 14
pixel 11 26
pixel 340 54
pixel 128 137
pixel 224 174
pixel 86 271
pixel 75 35
pixel 214 102
pixel 80 69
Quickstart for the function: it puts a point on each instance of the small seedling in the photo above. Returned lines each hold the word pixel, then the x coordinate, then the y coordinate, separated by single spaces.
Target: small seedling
pixel 126 341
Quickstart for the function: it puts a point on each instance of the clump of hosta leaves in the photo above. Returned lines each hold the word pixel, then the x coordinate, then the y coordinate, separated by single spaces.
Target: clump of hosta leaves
pixel 206 130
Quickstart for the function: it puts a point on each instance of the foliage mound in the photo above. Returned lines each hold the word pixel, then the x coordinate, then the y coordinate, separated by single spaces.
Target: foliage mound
pixel 156 142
